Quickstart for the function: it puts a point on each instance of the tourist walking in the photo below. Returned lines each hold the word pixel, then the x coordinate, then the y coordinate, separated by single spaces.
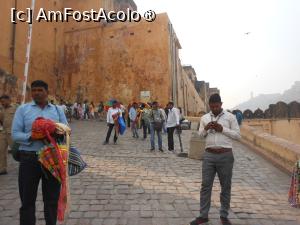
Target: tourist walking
pixel 173 121
pixel 239 116
pixel 113 114
pixel 86 113
pixel 218 127
pixel 75 111
pixel 30 169
pixel 80 111
pixel 156 124
pixel 63 106
pixel 92 110
pixel 101 110
pixel 133 116
pixel 145 119
pixel 127 116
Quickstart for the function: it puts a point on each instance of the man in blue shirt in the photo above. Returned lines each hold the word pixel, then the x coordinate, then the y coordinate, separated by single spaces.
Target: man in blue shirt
pixel 30 169
pixel 133 119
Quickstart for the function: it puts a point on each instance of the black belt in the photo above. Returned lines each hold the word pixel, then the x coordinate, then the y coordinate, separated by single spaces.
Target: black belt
pixel 218 150
pixel 28 155
pixel 22 152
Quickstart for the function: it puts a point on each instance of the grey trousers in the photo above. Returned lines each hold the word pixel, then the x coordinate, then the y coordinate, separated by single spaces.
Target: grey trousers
pixel 222 164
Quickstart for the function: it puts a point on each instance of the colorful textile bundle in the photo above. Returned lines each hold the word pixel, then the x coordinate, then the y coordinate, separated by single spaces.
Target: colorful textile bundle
pixel 42 128
pixel 294 192
pixel 48 158
pixel 54 157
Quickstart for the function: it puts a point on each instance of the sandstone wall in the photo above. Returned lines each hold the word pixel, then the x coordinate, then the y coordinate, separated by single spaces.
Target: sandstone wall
pixel 281 152
pixel 86 5
pixel 95 61
pixel 46 50
pixel 188 98
pixel 283 128
pixel 79 77
pixel 118 61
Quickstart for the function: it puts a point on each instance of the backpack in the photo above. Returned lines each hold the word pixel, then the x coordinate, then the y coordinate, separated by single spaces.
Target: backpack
pixel 157 120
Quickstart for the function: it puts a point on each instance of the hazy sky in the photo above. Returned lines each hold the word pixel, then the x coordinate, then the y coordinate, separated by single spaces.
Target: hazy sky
pixel 213 40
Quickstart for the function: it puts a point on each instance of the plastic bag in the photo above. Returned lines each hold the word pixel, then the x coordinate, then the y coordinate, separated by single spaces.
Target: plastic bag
pixel 122 125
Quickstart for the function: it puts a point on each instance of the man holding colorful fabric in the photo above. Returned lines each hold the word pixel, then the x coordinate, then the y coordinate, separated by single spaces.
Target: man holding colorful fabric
pixel 112 121
pixel 30 169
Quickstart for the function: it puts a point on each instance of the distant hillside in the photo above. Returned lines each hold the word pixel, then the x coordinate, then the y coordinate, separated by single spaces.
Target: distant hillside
pixel 263 101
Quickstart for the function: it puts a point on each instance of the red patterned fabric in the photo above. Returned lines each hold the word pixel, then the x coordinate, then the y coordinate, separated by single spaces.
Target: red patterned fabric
pixel 43 128
pixel 294 192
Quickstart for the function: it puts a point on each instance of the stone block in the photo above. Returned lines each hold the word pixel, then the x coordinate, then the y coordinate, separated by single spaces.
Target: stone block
pixel 197 147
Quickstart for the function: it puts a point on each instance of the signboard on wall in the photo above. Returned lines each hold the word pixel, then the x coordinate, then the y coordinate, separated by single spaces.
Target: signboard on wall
pixel 145 96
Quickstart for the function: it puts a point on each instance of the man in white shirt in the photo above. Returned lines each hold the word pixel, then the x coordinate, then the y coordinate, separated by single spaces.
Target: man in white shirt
pixel 172 123
pixel 218 127
pixel 112 116
pixel 63 106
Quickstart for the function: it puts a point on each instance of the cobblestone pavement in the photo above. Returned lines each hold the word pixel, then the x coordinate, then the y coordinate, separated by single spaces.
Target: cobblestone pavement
pixel 128 184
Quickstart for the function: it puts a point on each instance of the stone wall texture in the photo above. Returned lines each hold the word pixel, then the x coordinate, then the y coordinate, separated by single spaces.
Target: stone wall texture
pixel 96 61
pixel 283 128
pixel 281 152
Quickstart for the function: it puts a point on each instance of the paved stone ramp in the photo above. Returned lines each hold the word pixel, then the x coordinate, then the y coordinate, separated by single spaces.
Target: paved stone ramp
pixel 128 184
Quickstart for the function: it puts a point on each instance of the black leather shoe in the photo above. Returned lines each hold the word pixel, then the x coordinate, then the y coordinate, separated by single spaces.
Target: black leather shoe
pixel 199 220
pixel 225 221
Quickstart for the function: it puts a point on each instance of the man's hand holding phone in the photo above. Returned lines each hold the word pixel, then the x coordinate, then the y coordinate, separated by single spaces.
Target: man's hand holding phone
pixel 209 126
pixel 217 127
pixel 214 126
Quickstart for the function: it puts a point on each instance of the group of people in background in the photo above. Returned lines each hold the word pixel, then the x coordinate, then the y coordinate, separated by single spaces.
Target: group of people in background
pixel 150 117
pixel 82 111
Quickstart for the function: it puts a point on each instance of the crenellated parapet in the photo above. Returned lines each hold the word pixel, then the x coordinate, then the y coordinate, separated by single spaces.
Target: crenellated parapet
pixel 280 110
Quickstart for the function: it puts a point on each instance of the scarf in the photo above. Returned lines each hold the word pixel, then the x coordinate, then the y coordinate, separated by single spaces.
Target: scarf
pixel 54 157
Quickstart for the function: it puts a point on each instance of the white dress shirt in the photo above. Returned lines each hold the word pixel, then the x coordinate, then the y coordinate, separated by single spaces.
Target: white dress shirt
pixel 112 112
pixel 231 130
pixel 173 117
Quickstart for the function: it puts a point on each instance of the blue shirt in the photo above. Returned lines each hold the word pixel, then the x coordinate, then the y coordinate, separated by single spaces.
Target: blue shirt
pixel 239 117
pixel 132 113
pixel 25 116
